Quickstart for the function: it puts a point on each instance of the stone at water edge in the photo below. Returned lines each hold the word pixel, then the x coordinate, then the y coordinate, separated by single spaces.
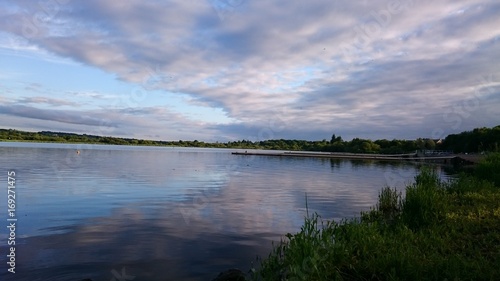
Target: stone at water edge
pixel 230 275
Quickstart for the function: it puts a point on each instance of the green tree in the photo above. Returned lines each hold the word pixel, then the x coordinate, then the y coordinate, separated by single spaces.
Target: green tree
pixel 430 144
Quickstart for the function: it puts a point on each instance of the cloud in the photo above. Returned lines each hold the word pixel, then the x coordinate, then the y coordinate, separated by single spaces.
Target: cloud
pixel 138 122
pixel 45 100
pixel 63 116
pixel 94 95
pixel 383 66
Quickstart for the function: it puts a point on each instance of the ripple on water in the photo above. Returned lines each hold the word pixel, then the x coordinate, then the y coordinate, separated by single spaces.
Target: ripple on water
pixel 155 212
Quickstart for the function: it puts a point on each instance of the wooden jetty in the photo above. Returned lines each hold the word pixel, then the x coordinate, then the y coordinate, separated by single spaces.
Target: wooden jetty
pixel 412 157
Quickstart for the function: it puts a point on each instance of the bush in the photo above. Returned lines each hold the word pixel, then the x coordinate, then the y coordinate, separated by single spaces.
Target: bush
pixel 489 169
pixel 387 209
pixel 424 203
pixel 439 231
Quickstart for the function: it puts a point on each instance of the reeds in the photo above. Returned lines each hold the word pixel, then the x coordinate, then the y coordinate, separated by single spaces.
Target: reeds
pixel 438 231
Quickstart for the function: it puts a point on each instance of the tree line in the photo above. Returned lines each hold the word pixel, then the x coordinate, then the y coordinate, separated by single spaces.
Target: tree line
pixel 477 140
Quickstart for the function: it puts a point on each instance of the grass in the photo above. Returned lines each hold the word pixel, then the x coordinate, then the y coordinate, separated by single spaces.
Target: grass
pixel 489 169
pixel 438 231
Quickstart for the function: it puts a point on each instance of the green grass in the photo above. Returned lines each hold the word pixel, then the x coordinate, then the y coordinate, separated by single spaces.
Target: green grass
pixel 489 169
pixel 438 231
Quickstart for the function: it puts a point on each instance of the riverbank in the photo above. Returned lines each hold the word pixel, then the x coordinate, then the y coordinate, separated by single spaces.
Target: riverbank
pixel 465 142
pixel 438 231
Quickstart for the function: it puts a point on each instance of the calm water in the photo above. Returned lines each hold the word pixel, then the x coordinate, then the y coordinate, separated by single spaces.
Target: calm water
pixel 151 213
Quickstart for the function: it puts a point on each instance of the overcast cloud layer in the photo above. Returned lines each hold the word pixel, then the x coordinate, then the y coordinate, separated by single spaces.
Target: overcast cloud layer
pixel 235 69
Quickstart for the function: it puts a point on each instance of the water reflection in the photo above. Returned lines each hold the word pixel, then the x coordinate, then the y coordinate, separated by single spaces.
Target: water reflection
pixel 157 246
pixel 171 214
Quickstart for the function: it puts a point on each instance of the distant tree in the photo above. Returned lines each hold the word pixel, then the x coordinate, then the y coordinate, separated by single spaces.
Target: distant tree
pixel 430 144
pixel 335 139
pixel 420 143
pixel 477 140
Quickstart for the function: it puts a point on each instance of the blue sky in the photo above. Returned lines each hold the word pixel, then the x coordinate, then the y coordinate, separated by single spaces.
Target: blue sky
pixel 219 70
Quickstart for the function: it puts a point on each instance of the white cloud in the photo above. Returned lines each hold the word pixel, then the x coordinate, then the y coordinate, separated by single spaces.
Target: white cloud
pixel 356 68
pixel 46 100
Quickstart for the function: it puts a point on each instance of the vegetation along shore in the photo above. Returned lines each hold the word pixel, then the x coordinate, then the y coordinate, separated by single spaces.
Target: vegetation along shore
pixel 475 141
pixel 437 231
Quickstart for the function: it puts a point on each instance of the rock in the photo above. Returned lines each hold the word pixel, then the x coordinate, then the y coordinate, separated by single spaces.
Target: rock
pixel 231 275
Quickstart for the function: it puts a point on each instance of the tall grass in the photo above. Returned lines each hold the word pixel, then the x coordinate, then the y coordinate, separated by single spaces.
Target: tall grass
pixel 489 169
pixel 424 204
pixel 438 231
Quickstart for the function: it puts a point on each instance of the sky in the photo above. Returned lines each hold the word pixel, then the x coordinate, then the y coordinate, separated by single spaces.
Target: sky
pixel 224 70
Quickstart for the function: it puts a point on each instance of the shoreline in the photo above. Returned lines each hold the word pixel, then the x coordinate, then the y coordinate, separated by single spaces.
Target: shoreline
pixel 462 159
pixel 433 232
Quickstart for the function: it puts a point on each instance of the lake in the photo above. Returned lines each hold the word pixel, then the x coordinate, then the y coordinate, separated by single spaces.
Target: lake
pixel 168 213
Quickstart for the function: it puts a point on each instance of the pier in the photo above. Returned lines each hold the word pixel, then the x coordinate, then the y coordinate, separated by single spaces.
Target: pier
pixel 411 157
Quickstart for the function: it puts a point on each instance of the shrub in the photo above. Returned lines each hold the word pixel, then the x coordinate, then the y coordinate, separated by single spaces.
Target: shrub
pixel 424 203
pixel 388 208
pixel 438 231
pixel 489 169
